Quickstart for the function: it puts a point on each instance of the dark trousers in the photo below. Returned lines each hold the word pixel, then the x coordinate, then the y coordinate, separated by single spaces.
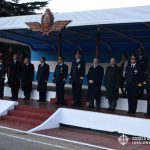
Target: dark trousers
pixel 148 100
pixel 27 94
pixel 132 95
pixel 42 95
pixel 141 92
pixel 77 93
pixel 1 92
pixel 14 92
pixel 2 89
pixel 112 103
pixel 60 93
pixel 122 88
pixel 97 103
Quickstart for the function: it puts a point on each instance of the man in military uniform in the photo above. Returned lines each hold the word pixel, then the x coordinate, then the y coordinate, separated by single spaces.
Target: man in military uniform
pixel 76 78
pixel 2 77
pixel 27 75
pixel 60 77
pixel 147 86
pixel 132 82
pixel 112 82
pixel 42 78
pixel 14 75
pixel 94 78
pixel 143 62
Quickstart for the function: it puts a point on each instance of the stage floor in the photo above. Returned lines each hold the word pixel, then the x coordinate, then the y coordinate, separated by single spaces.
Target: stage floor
pixel 90 137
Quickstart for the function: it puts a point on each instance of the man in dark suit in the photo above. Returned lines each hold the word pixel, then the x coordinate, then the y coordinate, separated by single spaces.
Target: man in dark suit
pixel 94 78
pixel 2 77
pixel 14 75
pixel 143 62
pixel 27 78
pixel 147 86
pixel 42 78
pixel 9 59
pixel 112 82
pixel 60 77
pixel 76 78
pixel 132 76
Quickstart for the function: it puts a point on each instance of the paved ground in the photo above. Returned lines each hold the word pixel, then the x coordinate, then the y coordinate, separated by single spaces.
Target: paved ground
pixel 15 140
pixel 104 139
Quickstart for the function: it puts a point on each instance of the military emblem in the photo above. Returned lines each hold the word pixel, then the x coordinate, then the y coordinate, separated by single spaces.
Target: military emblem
pixel 123 139
pixel 61 70
pixel 47 24
pixel 79 66
pixel 135 71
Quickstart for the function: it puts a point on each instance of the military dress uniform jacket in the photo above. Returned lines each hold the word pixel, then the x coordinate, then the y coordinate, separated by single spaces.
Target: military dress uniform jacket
pixel 95 74
pixel 133 76
pixel 42 77
pixel 147 78
pixel 60 74
pixel 143 63
pixel 77 71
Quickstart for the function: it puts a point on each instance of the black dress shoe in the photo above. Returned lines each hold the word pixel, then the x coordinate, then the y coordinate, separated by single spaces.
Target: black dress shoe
pixel 74 104
pixel 147 114
pixel 131 113
pixel 110 109
pixel 57 103
pixel 39 100
pixel 78 105
pixel 11 98
pixel 90 107
pixel 113 109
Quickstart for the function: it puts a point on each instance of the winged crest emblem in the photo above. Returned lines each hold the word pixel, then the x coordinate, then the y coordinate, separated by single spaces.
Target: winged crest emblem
pixel 47 24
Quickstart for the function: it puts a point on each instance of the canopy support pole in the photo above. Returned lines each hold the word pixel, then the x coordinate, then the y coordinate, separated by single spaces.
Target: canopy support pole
pixel 59 44
pixel 98 43
pixel 90 37
pixel 69 41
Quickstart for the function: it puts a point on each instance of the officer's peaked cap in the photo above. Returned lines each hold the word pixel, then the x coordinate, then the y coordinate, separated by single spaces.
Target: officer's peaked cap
pixel 133 56
pixel 60 58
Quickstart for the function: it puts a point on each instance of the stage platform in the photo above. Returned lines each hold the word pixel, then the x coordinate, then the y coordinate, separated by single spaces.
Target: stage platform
pixel 44 118
pixel 93 138
pixel 6 106
pixel 97 121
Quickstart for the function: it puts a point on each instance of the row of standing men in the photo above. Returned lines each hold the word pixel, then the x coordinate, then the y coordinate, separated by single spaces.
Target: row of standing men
pixel 133 73
pixel 25 73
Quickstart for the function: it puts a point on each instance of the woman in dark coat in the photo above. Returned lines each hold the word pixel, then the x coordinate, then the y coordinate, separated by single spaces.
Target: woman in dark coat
pixel 94 77
pixel 112 81
pixel 27 78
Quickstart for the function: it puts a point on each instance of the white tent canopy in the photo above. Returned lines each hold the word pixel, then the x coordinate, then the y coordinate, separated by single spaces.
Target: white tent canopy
pixel 95 17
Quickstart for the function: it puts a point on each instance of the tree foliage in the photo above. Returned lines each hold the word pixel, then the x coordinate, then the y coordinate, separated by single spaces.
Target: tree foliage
pixel 14 8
